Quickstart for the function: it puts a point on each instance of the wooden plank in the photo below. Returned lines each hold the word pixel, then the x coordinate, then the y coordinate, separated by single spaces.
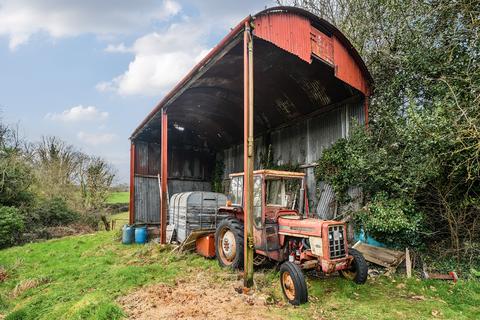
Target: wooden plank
pixel 382 256
pixel 408 263
pixel 170 232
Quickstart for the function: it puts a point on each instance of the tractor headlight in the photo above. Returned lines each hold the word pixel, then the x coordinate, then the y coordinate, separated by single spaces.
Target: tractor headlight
pixel 316 246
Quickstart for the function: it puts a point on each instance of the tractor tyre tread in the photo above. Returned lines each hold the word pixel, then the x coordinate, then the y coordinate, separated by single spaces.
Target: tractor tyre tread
pixel 301 291
pixel 361 266
pixel 236 227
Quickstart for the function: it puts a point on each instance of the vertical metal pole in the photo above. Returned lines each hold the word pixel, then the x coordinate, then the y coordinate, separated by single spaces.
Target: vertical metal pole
pixel 248 157
pixel 131 206
pixel 365 107
pixel 164 179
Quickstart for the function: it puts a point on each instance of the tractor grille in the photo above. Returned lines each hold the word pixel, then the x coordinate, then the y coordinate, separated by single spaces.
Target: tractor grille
pixel 336 242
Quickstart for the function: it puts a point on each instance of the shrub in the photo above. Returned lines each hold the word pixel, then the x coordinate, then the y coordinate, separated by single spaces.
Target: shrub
pixel 54 212
pixel 392 221
pixel 11 226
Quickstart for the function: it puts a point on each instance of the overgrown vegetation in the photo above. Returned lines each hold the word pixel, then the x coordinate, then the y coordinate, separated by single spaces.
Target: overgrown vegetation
pixel 48 184
pixel 419 160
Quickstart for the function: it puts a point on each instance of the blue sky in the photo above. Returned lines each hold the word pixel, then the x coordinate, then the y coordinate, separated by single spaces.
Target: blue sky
pixel 89 71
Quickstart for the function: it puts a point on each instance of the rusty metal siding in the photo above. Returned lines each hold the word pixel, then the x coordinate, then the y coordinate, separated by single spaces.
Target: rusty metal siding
pixel 326 207
pixel 347 69
pixel 147 200
pixel 288 31
pixel 147 195
pixel 153 158
pixel 322 45
pixel 141 158
pixel 289 144
pixel 357 111
pixel 302 143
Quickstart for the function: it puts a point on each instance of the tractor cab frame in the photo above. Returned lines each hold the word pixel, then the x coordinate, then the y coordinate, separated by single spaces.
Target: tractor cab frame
pixel 283 233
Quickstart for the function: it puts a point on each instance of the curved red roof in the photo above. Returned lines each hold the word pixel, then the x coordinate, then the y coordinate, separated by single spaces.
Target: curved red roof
pixel 295 31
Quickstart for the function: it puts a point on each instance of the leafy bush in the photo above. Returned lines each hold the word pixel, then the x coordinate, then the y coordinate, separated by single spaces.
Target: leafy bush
pixel 392 221
pixel 54 212
pixel 11 226
pixel 17 176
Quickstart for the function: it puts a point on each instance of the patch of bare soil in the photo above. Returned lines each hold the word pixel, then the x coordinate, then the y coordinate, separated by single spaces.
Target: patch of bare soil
pixel 199 297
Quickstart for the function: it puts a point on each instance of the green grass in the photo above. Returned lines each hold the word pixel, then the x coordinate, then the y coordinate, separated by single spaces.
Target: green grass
pixel 119 197
pixel 391 298
pixel 120 219
pixel 80 278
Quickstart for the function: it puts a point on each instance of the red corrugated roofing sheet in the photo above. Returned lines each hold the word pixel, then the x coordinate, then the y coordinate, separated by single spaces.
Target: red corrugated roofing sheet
pixel 288 31
pixel 346 69
pixel 295 34
pixel 322 45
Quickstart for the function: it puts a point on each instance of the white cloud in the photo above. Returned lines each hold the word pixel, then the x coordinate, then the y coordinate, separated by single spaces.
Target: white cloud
pixel 20 19
pixel 161 60
pixel 121 48
pixel 78 113
pixel 95 139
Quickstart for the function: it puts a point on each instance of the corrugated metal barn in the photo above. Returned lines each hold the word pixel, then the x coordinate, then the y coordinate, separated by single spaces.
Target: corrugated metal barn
pixel 309 85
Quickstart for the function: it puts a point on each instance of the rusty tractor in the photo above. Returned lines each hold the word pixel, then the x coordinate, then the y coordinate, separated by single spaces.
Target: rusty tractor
pixel 284 235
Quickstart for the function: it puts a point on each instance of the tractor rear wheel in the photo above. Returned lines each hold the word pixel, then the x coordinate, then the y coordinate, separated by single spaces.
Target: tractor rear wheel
pixel 229 243
pixel 358 271
pixel 293 283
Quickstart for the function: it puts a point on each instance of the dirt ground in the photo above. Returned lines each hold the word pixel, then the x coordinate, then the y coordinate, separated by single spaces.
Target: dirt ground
pixel 199 297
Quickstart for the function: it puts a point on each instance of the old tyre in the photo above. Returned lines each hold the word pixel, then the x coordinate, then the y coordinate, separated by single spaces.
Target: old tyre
pixel 358 270
pixel 293 283
pixel 229 243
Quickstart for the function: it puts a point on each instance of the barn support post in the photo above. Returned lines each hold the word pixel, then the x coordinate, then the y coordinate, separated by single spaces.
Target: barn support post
pixel 366 103
pixel 248 155
pixel 131 205
pixel 164 179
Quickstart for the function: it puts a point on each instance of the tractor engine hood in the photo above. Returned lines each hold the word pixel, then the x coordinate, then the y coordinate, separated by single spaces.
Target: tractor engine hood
pixel 303 227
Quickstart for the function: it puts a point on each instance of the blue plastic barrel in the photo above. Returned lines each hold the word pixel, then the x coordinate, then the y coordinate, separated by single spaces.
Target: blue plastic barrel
pixel 128 234
pixel 141 234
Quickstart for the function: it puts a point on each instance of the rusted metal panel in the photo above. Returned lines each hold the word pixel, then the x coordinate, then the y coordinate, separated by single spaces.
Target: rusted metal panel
pixel 141 158
pixel 326 207
pixel 153 157
pixel 346 68
pixel 322 45
pixel 357 112
pixel 147 195
pixel 288 31
pixel 147 200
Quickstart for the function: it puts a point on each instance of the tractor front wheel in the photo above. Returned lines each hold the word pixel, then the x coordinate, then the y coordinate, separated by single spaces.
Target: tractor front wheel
pixel 293 283
pixel 358 270
pixel 229 243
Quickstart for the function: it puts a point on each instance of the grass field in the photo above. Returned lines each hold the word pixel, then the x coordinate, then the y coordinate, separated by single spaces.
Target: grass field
pixel 81 277
pixel 119 197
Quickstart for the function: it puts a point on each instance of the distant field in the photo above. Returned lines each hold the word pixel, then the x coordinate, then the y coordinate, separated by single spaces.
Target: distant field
pixel 119 197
